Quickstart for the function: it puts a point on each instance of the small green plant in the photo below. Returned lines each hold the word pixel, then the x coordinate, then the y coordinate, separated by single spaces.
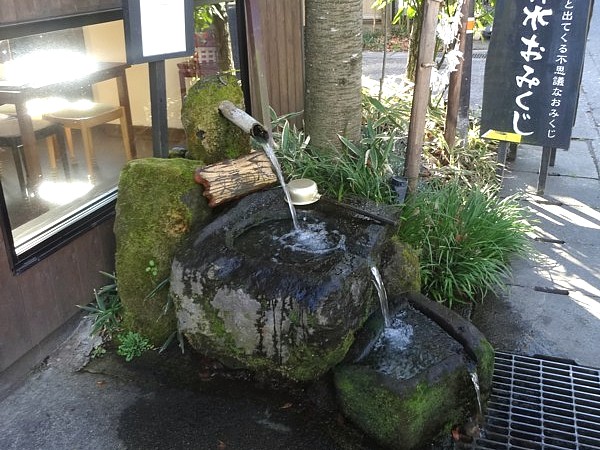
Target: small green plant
pixel 152 269
pixel 132 345
pixel 98 352
pixel 466 237
pixel 106 309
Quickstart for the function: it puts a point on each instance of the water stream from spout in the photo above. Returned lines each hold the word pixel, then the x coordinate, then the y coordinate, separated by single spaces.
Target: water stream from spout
pixel 269 149
pixel 475 380
pixel 383 300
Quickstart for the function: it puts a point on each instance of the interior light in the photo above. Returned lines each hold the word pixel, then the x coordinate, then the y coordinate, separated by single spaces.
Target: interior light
pixel 48 66
pixel 63 192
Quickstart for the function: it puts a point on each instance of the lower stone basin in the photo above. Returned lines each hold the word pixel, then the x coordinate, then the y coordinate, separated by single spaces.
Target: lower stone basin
pixel 413 382
pixel 244 296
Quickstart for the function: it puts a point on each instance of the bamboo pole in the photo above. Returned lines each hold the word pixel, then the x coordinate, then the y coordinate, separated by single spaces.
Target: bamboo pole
pixel 243 120
pixel 456 79
pixel 421 94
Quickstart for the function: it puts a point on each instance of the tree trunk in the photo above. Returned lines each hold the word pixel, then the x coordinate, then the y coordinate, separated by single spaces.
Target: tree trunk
pixel 333 70
pixel 223 38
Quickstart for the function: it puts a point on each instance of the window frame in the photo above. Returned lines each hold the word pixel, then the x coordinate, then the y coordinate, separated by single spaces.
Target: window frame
pixel 102 207
pixel 87 216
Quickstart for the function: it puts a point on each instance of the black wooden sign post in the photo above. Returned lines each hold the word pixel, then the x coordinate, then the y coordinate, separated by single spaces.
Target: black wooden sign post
pixel 156 30
pixel 533 73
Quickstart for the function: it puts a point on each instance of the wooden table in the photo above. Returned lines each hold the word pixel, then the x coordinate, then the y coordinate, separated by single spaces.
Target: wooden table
pixel 18 94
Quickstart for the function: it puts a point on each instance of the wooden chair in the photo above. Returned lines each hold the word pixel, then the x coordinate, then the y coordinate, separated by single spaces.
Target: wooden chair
pixel 84 119
pixel 10 136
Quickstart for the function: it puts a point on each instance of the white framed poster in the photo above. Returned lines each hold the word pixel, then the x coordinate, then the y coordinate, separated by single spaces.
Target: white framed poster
pixel 158 29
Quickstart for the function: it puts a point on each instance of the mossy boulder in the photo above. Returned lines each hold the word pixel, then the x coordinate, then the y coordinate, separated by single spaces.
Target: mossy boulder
pixel 157 205
pixel 405 415
pixel 402 272
pixel 210 137
pixel 253 302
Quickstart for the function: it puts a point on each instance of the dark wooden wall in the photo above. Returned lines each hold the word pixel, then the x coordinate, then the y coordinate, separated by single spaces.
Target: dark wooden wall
pixel 13 11
pixel 282 25
pixel 37 302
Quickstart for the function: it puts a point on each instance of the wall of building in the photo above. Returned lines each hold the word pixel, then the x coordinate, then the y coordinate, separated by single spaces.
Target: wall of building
pixel 39 301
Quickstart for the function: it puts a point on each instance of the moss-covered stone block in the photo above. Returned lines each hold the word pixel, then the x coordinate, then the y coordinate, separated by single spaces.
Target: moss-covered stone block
pixel 253 301
pixel 157 205
pixel 407 385
pixel 401 273
pixel 210 137
pixel 405 414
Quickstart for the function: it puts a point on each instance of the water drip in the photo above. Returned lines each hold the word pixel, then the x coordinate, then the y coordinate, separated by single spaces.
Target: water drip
pixel 251 126
pixel 383 300
pixel 475 380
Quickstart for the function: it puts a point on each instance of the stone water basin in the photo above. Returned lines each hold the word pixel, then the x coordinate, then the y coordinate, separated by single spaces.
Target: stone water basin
pixel 408 385
pixel 244 296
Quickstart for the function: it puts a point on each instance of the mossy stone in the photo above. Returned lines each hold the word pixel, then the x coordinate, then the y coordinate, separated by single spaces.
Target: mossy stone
pixel 210 137
pixel 157 204
pixel 485 369
pixel 402 272
pixel 403 415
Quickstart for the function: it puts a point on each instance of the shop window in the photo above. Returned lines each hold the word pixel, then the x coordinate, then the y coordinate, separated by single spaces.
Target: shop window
pixel 55 181
pixel 72 112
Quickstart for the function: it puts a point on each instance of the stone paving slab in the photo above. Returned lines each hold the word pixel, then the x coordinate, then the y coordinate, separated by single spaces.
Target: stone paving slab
pixel 570 223
pixel 529 322
pixel 574 268
pixel 568 190
pixel 576 162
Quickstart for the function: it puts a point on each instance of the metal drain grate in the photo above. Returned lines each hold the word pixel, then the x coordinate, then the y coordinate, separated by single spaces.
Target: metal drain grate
pixel 538 403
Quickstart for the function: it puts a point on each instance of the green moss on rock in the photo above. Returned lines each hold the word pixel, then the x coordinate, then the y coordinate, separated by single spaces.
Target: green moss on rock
pixel 409 415
pixel 210 137
pixel 308 363
pixel 485 369
pixel 157 204
pixel 402 272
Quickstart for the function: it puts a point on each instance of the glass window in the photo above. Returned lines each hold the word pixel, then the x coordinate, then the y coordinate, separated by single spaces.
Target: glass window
pixel 72 112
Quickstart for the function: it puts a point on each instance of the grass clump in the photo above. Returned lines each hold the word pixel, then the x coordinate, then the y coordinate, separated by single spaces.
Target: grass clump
pixel 106 310
pixel 132 345
pixel 364 169
pixel 466 236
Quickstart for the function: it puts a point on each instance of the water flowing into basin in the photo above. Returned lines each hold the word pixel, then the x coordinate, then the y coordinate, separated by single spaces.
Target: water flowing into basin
pixel 412 344
pixel 313 241
pixel 263 136
pixel 383 300
pixel 269 149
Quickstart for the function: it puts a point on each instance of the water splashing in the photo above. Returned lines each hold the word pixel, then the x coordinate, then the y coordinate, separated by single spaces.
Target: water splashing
pixel 269 149
pixel 383 300
pixel 475 380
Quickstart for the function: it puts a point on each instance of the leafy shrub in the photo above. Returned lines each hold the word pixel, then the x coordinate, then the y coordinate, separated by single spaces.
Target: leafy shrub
pixel 466 236
pixel 364 169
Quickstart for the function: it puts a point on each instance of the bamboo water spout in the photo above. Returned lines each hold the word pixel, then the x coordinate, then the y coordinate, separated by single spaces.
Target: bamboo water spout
pixel 243 120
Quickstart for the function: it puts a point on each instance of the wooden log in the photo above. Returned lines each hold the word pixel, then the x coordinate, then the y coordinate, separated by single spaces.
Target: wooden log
pixel 227 180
